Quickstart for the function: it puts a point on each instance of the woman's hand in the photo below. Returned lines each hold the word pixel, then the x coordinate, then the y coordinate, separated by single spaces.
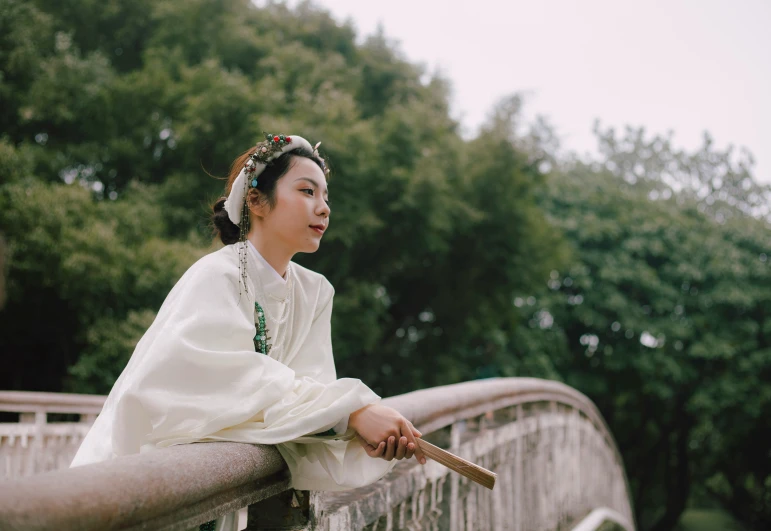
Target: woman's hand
pixel 389 451
pixel 378 428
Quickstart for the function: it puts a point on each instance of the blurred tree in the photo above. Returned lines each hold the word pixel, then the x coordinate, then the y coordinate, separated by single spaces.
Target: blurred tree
pixel 719 181
pixel 3 262
pixel 26 37
pixel 117 125
pixel 71 263
pixel 727 274
pixel 663 317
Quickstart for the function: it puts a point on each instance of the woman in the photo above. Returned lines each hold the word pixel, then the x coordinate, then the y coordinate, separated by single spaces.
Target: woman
pixel 241 348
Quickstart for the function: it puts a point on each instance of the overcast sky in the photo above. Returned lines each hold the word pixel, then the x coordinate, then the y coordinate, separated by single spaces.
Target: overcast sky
pixel 684 65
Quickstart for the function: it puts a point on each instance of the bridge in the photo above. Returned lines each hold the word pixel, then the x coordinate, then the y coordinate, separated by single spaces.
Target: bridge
pixel 558 468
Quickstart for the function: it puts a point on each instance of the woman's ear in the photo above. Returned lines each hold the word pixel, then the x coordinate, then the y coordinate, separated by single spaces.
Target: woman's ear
pixel 258 204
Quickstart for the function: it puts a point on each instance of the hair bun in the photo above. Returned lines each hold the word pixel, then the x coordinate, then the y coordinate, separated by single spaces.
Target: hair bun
pixel 227 230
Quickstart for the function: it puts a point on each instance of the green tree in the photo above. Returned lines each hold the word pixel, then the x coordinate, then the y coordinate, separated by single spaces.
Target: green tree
pixel 663 317
pixel 115 128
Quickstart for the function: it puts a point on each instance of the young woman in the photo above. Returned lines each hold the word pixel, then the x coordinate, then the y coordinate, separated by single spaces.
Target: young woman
pixel 241 348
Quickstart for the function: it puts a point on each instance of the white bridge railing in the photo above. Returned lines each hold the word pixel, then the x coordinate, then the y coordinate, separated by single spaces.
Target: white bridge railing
pixel 558 467
pixel 33 444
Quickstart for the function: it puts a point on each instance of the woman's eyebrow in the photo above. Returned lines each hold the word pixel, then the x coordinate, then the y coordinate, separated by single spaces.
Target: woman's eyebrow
pixel 314 183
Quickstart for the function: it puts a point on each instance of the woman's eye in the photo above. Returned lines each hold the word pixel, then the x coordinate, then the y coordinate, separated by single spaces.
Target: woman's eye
pixel 313 192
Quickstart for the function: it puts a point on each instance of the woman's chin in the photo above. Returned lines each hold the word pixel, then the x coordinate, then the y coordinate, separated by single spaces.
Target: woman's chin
pixel 311 247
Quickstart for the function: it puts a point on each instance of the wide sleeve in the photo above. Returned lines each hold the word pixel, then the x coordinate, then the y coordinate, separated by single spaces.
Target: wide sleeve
pixel 314 358
pixel 328 461
pixel 195 376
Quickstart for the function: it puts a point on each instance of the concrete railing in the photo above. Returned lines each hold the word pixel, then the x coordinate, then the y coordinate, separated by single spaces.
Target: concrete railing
pixel 34 445
pixel 555 458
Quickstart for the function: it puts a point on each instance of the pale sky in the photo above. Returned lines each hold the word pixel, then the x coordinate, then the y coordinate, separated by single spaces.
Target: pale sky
pixel 684 65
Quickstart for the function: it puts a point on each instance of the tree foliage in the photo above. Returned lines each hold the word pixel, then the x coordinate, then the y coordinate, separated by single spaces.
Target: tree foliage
pixel 124 110
pixel 662 318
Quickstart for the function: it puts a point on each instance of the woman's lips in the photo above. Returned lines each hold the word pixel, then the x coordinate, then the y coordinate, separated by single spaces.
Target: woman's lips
pixel 318 229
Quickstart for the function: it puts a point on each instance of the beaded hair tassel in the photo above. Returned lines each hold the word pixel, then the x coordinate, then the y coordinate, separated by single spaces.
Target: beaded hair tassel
pixel 264 152
pixel 244 230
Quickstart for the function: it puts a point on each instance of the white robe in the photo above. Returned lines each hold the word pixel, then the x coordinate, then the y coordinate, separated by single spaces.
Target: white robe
pixel 195 376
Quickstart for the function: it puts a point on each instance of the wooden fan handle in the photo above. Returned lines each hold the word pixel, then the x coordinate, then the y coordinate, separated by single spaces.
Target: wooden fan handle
pixel 465 468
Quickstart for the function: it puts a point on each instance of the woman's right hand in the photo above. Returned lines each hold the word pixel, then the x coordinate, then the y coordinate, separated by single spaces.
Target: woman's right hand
pixel 380 427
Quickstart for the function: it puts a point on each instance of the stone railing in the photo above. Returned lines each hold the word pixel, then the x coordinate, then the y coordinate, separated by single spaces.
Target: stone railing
pixel 557 464
pixel 34 445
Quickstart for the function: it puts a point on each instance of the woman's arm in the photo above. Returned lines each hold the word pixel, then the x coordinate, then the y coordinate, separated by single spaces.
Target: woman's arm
pixel 195 376
pixel 381 430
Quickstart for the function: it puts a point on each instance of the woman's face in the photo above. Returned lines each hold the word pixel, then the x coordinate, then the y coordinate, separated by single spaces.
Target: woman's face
pixel 301 214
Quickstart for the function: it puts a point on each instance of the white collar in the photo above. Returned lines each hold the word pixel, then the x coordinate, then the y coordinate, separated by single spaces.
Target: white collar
pixel 264 262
